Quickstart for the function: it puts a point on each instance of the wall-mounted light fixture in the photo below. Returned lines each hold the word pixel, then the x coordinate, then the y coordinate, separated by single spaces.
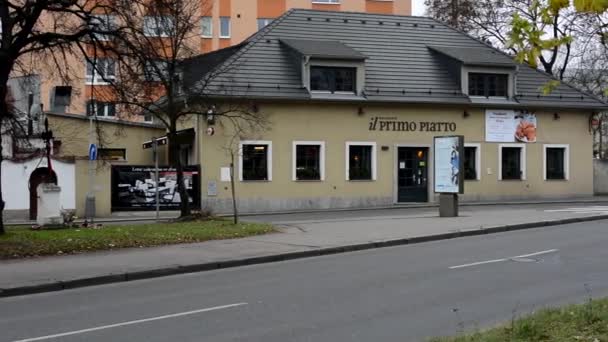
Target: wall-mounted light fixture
pixel 465 114
pixel 255 108
pixel 385 148
pixel 556 116
pixel 211 115
pixel 361 111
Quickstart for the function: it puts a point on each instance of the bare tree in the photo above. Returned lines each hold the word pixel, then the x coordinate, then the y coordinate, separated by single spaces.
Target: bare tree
pixel 155 42
pixel 36 30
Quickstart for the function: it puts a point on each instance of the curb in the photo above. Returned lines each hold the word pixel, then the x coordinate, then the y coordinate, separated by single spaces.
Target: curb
pixel 203 267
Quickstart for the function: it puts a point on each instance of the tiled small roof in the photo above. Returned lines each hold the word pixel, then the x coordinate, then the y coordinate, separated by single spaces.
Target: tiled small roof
pixel 404 61
pixel 323 49
pixel 476 56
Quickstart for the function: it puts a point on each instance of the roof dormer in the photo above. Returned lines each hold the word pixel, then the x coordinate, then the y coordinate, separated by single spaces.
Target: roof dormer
pixel 329 69
pixel 485 75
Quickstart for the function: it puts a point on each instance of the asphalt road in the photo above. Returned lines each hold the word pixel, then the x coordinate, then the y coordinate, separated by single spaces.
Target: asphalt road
pixel 404 293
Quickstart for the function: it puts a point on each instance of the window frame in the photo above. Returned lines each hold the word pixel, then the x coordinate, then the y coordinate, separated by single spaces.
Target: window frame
pixel 477 147
pixel 566 148
pixel 522 161
pixel 105 105
pixel 268 159
pixel 222 35
pixel 107 20
pixel 124 152
pixel 154 31
pixel 348 144
pixel 210 35
pixel 294 160
pixel 267 21
pixel 96 78
pixel 485 77
pixel 330 91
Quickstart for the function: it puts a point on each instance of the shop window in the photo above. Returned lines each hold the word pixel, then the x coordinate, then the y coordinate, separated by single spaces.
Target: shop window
pixel 472 162
pixel 207 27
pixel 263 22
pixel 361 161
pixel 158 26
pixel 488 85
pixel 100 108
pixel 556 163
pixel 255 161
pixel 512 159
pixel 308 160
pixel 224 27
pixel 333 79
pixel 100 71
pixel 112 154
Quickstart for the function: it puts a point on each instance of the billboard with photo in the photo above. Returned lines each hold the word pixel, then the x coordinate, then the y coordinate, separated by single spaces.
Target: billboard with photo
pixel 449 164
pixel 510 126
pixel 134 187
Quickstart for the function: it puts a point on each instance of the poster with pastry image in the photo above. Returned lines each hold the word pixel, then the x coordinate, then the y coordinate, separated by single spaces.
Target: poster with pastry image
pixel 525 131
pixel 510 126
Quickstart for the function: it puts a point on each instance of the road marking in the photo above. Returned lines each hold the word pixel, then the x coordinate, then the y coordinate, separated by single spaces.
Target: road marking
pixel 504 259
pixel 180 314
pixel 581 210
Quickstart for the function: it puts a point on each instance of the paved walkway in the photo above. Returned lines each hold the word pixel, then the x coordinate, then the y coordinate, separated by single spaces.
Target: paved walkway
pixel 299 233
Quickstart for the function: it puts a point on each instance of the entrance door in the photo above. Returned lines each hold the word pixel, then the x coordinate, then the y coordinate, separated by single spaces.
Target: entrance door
pixel 412 174
pixel 40 175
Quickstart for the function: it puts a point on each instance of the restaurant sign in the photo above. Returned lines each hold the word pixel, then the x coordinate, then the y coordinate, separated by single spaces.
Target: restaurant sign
pixel 392 124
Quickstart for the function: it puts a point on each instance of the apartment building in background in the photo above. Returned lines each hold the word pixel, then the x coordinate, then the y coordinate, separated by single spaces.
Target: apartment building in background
pixel 223 23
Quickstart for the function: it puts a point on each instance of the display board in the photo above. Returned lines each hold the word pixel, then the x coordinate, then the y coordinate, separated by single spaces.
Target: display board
pixel 510 126
pixel 448 164
pixel 134 187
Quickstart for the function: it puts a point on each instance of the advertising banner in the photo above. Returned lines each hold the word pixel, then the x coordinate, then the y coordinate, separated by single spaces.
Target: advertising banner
pixel 134 187
pixel 510 126
pixel 449 164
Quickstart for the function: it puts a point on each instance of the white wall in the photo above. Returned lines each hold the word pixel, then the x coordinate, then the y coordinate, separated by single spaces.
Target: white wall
pixel 16 176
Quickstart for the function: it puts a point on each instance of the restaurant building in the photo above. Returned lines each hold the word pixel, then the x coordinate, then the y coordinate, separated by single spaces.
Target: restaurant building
pixel 354 101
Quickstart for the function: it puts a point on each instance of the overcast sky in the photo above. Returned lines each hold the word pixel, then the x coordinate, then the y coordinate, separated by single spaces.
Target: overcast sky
pixel 418 7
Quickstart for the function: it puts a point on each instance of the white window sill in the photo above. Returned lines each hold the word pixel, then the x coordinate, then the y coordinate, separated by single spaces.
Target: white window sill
pixel 224 37
pixel 97 83
pixel 203 36
pixel 325 3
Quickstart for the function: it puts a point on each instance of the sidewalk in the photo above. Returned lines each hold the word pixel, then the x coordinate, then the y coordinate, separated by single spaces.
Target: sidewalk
pixel 301 235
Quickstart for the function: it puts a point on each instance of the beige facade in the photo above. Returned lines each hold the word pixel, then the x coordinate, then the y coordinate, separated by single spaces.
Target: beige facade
pixel 73 132
pixel 338 124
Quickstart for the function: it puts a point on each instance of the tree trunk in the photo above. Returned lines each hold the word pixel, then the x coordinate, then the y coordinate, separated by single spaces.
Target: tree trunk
pixel 2 231
pixel 4 119
pixel 176 161
pixel 235 212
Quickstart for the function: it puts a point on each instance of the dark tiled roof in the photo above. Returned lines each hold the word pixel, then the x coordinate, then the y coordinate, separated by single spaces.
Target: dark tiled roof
pixel 399 65
pixel 476 56
pixel 323 49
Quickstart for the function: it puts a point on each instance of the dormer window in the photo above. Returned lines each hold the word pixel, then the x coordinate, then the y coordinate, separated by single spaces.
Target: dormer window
pixel 333 79
pixel 488 85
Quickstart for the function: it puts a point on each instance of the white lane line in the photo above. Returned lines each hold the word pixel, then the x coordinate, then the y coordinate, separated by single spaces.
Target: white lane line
pixel 478 263
pixel 504 259
pixel 180 314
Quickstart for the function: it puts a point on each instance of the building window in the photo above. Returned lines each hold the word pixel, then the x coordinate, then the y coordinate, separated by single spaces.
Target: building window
pixel 360 161
pixel 308 160
pixel 112 154
pixel 100 108
pixel 556 162
pixel 263 22
pixel 207 27
pixel 100 71
pixel 158 26
pixel 512 159
pixel 332 79
pixel 488 85
pixel 103 24
pixel 472 162
pixel 224 27
pixel 255 161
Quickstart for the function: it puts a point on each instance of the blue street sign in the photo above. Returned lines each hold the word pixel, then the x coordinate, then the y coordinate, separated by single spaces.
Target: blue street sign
pixel 92 152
